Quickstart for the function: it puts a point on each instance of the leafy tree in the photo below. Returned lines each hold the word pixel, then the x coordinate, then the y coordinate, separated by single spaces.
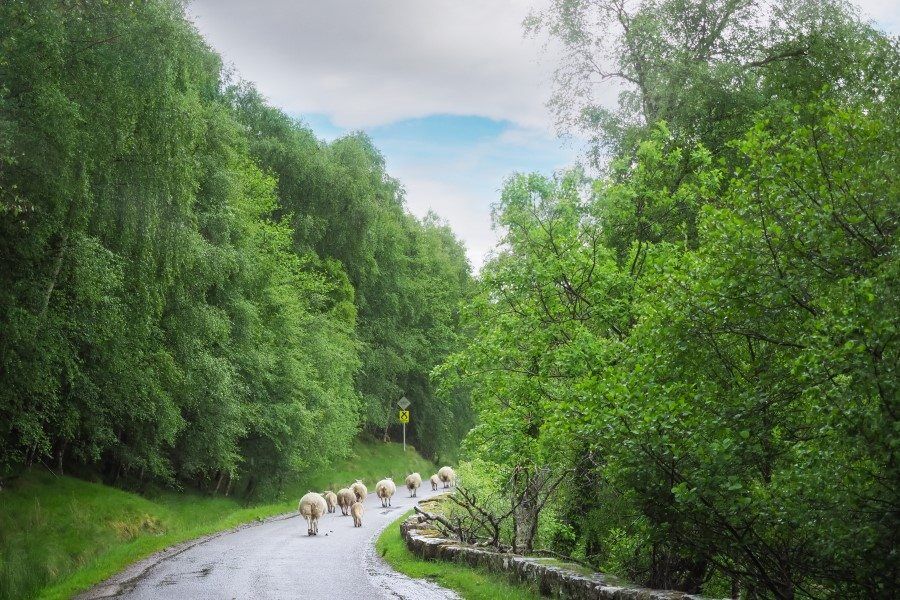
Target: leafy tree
pixel 695 340
pixel 194 288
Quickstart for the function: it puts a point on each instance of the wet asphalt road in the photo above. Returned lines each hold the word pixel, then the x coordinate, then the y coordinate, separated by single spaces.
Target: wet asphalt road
pixel 276 559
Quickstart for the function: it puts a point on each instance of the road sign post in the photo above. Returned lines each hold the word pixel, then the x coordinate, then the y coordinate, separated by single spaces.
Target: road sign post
pixel 404 417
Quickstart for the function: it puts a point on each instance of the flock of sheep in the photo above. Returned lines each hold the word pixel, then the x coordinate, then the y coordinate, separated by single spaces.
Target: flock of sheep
pixel 350 499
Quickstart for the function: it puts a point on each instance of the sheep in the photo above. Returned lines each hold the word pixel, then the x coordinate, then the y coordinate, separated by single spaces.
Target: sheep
pixel 345 499
pixel 412 484
pixel 357 511
pixel 447 475
pixel 312 506
pixel 384 489
pixel 435 480
pixel 331 500
pixel 360 490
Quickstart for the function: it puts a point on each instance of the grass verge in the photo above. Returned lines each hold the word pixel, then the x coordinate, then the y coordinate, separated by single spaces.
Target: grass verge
pixel 468 582
pixel 61 535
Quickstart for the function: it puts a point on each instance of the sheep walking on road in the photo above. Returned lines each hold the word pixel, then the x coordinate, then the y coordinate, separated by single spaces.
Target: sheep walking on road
pixel 412 484
pixel 331 500
pixel 435 480
pixel 384 489
pixel 345 499
pixel 312 507
pixel 447 475
pixel 357 511
pixel 360 490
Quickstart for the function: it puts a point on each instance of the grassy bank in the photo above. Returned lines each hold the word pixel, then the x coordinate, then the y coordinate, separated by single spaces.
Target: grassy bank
pixel 468 582
pixel 60 535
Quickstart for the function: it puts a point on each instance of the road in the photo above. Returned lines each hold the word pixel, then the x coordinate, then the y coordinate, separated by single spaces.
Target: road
pixel 276 559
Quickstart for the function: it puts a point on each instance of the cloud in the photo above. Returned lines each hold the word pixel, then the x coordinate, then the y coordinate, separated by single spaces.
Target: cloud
pixel 378 61
pixel 451 91
pixel 884 13
pixel 456 167
pixel 469 215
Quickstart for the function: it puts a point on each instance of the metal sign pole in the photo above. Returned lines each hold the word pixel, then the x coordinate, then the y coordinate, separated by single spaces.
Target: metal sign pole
pixel 403 403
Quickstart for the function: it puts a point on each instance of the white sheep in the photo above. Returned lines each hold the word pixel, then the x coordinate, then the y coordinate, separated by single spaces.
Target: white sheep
pixel 331 500
pixel 435 480
pixel 412 484
pixel 312 507
pixel 357 511
pixel 384 489
pixel 447 475
pixel 345 499
pixel 360 490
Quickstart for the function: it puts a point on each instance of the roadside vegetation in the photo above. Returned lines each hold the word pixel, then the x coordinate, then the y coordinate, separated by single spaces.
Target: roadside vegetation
pixel 679 366
pixel 685 366
pixel 468 582
pixel 60 535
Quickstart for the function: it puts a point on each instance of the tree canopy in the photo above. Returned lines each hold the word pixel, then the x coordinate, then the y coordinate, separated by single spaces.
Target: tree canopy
pixel 701 340
pixel 193 288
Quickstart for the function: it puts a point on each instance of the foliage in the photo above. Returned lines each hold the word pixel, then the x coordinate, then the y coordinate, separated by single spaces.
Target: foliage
pixel 704 66
pixel 60 535
pixel 704 337
pixel 193 289
pixel 468 582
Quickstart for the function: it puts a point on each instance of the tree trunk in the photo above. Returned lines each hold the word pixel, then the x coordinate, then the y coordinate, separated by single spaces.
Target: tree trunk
pixel 54 274
pixel 60 454
pixel 515 519
pixel 526 517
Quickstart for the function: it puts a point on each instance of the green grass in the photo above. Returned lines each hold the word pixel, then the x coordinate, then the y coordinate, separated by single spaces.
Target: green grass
pixel 61 535
pixel 468 582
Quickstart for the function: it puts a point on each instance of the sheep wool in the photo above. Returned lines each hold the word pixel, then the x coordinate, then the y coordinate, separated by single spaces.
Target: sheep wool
pixel 413 482
pixel 357 511
pixel 312 507
pixel 360 490
pixel 435 480
pixel 345 499
pixel 331 500
pixel 447 475
pixel 384 489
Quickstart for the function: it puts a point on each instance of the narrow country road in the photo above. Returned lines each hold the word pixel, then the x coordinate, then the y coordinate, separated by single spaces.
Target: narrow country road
pixel 276 559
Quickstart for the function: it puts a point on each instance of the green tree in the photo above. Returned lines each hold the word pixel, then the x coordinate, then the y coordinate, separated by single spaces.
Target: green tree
pixel 193 288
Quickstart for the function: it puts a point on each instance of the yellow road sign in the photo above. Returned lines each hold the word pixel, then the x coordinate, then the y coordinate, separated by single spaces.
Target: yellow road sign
pixel 404 416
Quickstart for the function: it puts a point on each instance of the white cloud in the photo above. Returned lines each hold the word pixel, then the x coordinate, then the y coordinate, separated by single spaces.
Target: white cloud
pixel 378 61
pixel 366 63
pixel 885 14
pixel 469 216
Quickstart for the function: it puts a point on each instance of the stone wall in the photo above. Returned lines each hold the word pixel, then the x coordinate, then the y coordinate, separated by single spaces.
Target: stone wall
pixel 551 577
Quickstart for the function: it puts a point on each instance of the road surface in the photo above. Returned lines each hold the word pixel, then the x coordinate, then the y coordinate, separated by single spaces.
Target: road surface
pixel 276 559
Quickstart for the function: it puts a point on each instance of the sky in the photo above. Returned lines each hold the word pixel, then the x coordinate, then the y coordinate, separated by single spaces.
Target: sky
pixel 451 92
